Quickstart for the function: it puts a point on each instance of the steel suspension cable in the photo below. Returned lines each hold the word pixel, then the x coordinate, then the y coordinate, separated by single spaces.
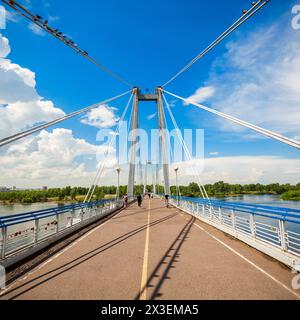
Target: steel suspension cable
pixel 185 148
pixel 58 35
pixel 265 132
pixel 100 170
pixel 30 131
pixel 245 17
pixel 169 139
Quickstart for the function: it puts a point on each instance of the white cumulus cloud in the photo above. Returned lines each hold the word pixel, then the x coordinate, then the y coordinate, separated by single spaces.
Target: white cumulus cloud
pixel 20 104
pixel 54 158
pixel 50 158
pixel 241 169
pixel 258 79
pixel 102 117
pixel 201 95
pixel 4 47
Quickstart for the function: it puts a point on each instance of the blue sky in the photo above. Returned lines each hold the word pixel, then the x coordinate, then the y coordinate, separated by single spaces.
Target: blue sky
pixel 147 42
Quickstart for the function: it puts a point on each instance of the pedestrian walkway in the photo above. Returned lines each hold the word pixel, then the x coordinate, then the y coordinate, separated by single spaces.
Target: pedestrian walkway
pixel 154 252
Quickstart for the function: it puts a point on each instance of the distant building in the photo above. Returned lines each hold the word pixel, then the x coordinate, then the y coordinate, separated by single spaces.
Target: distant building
pixel 45 188
pixel 4 189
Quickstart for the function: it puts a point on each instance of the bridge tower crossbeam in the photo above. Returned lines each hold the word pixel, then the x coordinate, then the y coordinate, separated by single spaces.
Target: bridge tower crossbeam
pixel 157 98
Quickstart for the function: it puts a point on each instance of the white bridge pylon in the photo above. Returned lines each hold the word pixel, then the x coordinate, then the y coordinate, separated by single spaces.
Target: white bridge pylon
pixel 157 97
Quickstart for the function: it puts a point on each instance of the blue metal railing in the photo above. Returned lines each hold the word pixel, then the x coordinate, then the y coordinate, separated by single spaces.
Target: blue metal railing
pixel 7 221
pixel 281 213
pixel 25 230
pixel 277 226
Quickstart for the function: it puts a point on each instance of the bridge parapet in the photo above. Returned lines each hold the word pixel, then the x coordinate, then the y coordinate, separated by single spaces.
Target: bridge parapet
pixel 24 234
pixel 274 231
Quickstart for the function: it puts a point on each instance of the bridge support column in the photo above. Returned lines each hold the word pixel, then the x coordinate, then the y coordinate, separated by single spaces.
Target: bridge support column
pixel 164 145
pixel 134 127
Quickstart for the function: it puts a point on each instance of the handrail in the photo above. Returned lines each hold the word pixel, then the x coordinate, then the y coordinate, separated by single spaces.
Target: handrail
pixel 275 212
pixel 281 210
pixel 272 236
pixel 25 233
pixel 15 219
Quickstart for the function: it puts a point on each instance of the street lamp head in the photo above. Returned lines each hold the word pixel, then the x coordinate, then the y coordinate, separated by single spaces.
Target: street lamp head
pixel 176 169
pixel 118 170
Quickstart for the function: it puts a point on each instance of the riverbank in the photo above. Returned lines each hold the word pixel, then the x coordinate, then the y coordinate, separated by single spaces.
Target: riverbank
pixel 55 200
pixel 287 196
pixel 293 195
pixel 218 190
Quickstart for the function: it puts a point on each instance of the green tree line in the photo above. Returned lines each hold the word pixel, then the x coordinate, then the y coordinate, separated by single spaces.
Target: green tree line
pixel 221 189
pixel 218 189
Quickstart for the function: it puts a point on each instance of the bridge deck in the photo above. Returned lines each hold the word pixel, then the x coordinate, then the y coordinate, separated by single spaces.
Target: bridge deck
pixel 156 253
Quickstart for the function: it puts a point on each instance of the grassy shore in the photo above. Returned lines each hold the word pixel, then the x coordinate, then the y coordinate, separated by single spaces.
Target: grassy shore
pixel 293 195
pixel 57 200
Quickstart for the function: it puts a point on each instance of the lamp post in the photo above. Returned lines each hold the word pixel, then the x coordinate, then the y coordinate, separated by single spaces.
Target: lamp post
pixel 118 189
pixel 177 187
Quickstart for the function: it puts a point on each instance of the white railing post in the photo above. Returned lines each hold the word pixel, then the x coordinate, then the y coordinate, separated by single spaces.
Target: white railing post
pixel 203 210
pixel 252 225
pixel 284 246
pixel 220 215
pixel 4 242
pixel 72 217
pixel 37 226
pixel 233 219
pixel 57 222
pixel 81 215
pixel 210 212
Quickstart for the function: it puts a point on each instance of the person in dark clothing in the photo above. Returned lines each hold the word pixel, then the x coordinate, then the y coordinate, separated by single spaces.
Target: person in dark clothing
pixel 167 200
pixel 139 200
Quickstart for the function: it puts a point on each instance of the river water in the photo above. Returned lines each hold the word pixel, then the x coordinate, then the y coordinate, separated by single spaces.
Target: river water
pixel 271 200
pixel 268 200
pixel 8 209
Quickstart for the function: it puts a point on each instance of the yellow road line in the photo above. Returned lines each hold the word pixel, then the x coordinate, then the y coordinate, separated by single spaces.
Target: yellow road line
pixel 143 292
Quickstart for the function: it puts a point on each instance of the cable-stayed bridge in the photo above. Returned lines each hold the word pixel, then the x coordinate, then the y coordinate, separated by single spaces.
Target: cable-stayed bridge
pixel 190 249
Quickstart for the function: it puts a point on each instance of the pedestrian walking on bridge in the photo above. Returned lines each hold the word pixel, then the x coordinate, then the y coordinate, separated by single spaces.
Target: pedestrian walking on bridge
pixel 125 200
pixel 167 200
pixel 139 200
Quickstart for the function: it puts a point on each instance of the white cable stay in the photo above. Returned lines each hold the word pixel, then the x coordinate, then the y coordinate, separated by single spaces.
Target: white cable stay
pixel 265 132
pixel 246 16
pixel 38 21
pixel 186 150
pixel 101 167
pixel 35 129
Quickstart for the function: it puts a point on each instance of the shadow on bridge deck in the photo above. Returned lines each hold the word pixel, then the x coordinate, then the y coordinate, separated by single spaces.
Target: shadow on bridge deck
pixel 155 252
